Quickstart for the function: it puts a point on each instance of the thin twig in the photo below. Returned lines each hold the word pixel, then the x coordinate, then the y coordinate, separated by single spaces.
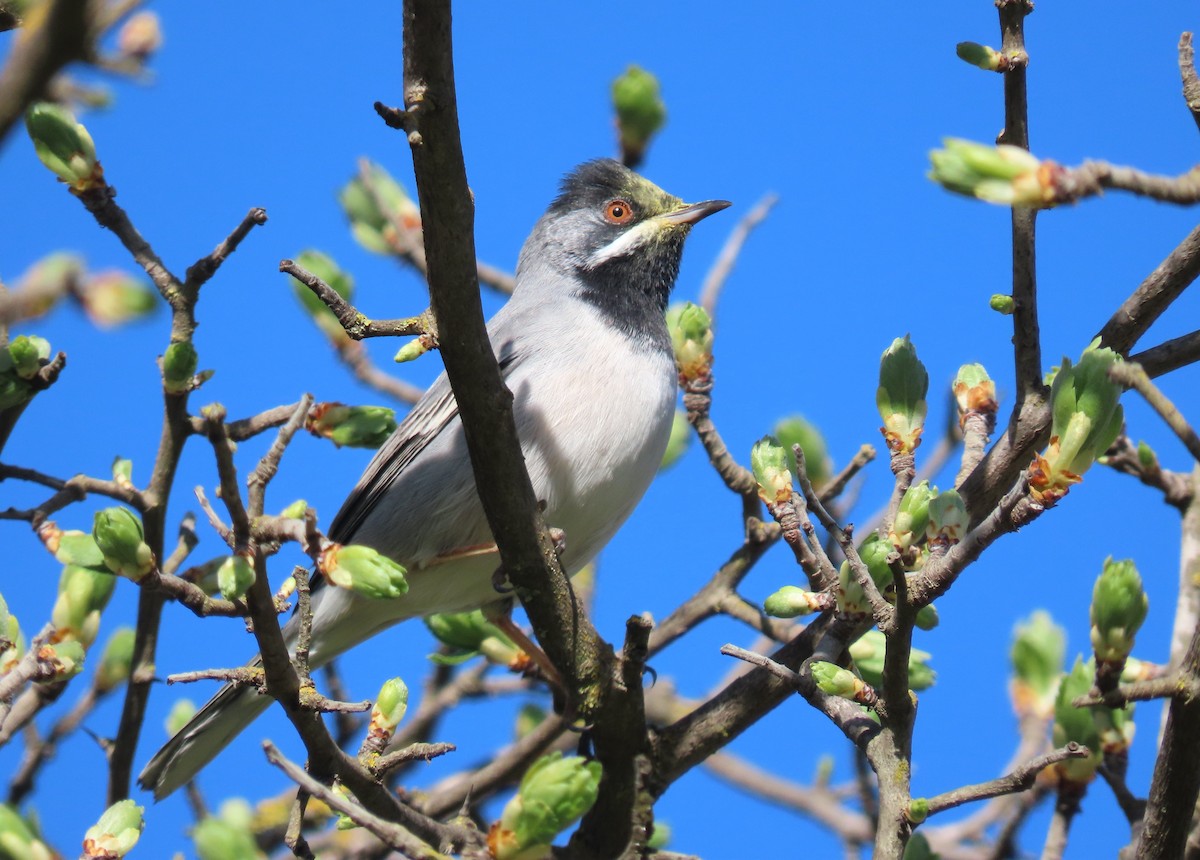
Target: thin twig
pixel 392 835
pixel 1133 376
pixel 204 268
pixel 714 282
pixel 356 324
pixel 1019 780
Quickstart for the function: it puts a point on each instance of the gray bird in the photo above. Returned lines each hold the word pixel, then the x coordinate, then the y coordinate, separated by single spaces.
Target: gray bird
pixel 584 348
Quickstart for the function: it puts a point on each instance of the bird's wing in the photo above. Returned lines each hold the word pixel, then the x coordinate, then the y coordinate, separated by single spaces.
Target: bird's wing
pixel 436 410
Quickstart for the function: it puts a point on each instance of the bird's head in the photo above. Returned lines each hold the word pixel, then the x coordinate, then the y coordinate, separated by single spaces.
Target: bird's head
pixel 615 237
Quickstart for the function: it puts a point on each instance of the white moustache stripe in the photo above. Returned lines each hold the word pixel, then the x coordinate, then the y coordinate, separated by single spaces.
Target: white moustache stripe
pixel 625 244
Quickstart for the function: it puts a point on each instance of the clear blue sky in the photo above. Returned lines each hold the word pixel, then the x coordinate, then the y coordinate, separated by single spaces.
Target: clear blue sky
pixel 832 106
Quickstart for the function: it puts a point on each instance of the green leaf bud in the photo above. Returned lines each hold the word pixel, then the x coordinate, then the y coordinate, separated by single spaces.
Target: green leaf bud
pixel 122 471
pixel 769 463
pixel 116 661
pixel 868 652
pixel 793 602
pixel 974 390
pixel 179 367
pixel 118 534
pixel 1002 303
pixel 796 430
pixel 180 715
pixel 13 389
pixel 978 55
pixel 295 511
pixel 1087 418
pixel 874 553
pixel 227 837
pixel 28 353
pixel 1076 724
pixel 373 227
pixel 927 617
pixel 324 267
pixel 948 519
pixel 115 834
pixel 1119 606
pixel 363 571
pixel 12 642
pixel 412 350
pixel 352 426
pixel 832 680
pixel 912 515
pixel 112 298
pixel 389 709
pixel 640 112
pixel 470 633
pixel 918 810
pixel 1147 459
pixel 1039 646
pixel 918 848
pixel 64 659
pixel 903 383
pixel 554 793
pixel 235 576
pixel 18 840
pixel 78 548
pixel 678 441
pixel 64 145
pixel 82 595
pixel 1007 175
pixel 692 340
pixel 660 837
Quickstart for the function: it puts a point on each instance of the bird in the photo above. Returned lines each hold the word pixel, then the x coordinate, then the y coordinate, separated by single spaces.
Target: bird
pixel 584 348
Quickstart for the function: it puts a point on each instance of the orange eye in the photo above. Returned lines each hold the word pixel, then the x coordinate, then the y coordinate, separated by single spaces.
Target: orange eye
pixel 618 212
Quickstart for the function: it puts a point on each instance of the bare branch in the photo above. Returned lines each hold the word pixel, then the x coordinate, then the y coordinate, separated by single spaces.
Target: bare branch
pixel 1020 779
pixel 204 268
pixel 356 324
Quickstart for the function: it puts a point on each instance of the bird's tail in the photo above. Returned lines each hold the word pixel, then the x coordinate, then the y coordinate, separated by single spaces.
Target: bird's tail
pixel 205 735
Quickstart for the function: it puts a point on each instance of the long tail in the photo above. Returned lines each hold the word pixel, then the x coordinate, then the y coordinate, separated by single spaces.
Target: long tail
pixel 341 620
pixel 213 727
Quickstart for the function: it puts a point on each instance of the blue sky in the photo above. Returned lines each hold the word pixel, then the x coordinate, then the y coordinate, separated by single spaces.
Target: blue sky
pixel 834 108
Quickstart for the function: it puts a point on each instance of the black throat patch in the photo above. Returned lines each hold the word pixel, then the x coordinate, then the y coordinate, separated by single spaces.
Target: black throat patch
pixel 632 292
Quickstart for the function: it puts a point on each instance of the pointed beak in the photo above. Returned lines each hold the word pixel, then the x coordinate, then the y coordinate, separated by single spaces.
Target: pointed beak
pixel 695 212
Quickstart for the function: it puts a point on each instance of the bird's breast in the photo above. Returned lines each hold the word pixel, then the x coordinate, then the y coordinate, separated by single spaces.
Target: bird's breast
pixel 594 428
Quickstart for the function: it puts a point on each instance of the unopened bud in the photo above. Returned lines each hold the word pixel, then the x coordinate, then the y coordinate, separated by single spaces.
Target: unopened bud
pixel 692 340
pixel 553 794
pixel 1119 606
pixel 903 383
pixel 112 298
pixel 116 661
pixel 1002 304
pixel 978 55
pixel 115 834
pixel 179 364
pixel 640 112
pixel 352 426
pixel 362 570
pixel 235 576
pixel 769 463
pixel 796 430
pixel 64 145
pixel 118 534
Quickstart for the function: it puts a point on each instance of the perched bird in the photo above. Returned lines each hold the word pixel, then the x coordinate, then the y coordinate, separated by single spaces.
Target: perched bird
pixel 584 348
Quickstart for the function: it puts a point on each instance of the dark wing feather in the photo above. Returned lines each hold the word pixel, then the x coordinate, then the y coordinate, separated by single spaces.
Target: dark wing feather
pixel 433 412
